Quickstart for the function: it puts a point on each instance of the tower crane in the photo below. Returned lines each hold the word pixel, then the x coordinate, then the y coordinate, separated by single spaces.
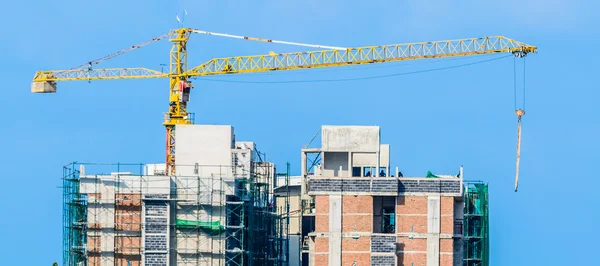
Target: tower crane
pixel 179 74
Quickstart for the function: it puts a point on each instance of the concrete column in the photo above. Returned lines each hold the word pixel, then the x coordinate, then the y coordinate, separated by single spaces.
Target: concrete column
pixel 303 164
pixel 349 164
pixel 303 178
pixel 335 229
pixel 433 230
pixel 376 174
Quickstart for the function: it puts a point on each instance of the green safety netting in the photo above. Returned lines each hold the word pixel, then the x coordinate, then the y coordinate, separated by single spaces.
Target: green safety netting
pixel 476 225
pixel 430 175
pixel 213 228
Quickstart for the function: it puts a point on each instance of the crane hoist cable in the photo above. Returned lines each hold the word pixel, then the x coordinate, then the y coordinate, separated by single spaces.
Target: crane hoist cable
pixel 520 112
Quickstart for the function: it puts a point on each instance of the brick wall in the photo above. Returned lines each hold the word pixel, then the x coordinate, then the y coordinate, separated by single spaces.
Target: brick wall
pixel 446 245
pixel 412 224
pixel 93 260
pixel 155 260
pixel 363 244
pixel 381 243
pixel 129 219
pixel 385 185
pixel 397 186
pixel 357 204
pixel 446 260
pixel 416 259
pixel 337 185
pixel 381 249
pixel 360 223
pixel 433 186
pixel 321 244
pixel 412 244
pixel 156 231
pixel 155 243
pixel 133 260
pixel 359 258
pixel 447 215
pixel 128 244
pixel 321 259
pixel 383 260
pixel 412 220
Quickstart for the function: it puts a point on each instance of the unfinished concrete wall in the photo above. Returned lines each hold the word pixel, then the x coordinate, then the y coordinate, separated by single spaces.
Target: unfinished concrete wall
pixel 206 145
pixel 364 159
pixel 335 164
pixel 350 138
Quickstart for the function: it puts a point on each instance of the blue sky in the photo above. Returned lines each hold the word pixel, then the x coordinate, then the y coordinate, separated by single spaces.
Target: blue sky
pixel 434 121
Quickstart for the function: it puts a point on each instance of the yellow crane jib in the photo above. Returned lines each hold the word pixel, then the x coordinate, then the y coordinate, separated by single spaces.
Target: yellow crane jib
pixel 180 87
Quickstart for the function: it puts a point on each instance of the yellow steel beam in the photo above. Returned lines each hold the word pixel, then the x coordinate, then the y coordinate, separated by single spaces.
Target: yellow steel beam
pixel 97 74
pixel 361 55
pixel 303 60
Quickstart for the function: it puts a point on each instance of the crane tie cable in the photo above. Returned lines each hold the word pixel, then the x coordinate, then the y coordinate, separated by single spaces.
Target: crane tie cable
pixel 266 40
pixel 115 54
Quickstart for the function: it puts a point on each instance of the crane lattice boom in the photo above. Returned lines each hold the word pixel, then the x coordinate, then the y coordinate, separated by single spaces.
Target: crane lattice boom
pixel 311 59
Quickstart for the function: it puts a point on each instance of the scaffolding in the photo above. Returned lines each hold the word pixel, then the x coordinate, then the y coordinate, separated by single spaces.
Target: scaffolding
pixel 133 215
pixel 283 225
pixel 74 218
pixel 476 225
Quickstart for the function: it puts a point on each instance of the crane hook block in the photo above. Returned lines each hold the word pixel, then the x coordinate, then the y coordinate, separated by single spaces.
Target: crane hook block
pixel 43 87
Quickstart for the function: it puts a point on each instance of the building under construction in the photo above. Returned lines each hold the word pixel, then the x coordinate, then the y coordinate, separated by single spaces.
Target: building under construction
pixel 227 205
pixel 357 210
pixel 219 209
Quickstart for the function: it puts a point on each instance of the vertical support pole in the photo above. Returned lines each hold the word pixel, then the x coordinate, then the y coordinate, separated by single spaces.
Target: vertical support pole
pixel 350 170
pixel 376 174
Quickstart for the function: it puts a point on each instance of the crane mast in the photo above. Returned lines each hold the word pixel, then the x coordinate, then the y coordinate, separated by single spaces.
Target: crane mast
pixel 180 87
pixel 179 94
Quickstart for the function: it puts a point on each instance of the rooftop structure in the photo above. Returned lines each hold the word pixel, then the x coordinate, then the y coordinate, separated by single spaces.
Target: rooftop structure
pixel 357 211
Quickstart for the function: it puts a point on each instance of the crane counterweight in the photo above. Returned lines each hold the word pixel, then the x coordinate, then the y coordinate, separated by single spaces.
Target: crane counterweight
pixel 43 87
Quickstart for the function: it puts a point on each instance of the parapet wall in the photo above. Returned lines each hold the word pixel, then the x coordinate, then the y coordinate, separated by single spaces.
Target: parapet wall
pixel 385 186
